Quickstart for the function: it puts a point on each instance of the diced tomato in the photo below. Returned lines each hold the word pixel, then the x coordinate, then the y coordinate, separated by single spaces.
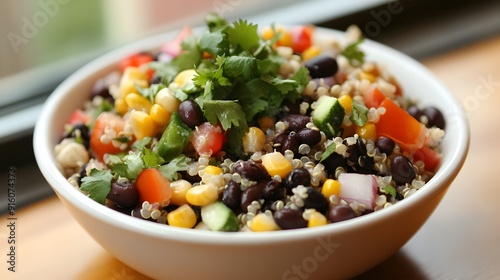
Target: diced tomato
pixel 153 187
pixel 136 60
pixel 302 38
pixel 401 127
pixel 98 148
pixel 174 48
pixel 428 156
pixel 80 116
pixel 374 98
pixel 207 138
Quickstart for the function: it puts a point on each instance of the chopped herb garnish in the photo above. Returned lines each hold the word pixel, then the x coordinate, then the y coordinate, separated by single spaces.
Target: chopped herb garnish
pixel 359 113
pixel 354 54
pixel 151 159
pixel 171 169
pixel 330 149
pixel 97 184
pixel 151 91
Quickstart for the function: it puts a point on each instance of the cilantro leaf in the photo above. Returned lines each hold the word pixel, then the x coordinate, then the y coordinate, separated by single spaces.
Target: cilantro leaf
pixel 330 149
pixel 215 21
pixel 191 55
pixel 115 163
pixel 228 112
pixel 151 159
pixel 234 145
pixel 150 92
pixel 353 53
pixel 302 78
pixel 128 166
pixel 243 65
pixel 179 163
pixel 215 43
pixel 282 85
pixel 243 34
pixel 359 113
pixel 140 144
pixel 97 184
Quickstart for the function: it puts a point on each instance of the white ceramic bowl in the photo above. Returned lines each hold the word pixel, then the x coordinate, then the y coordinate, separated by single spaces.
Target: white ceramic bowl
pixel 334 251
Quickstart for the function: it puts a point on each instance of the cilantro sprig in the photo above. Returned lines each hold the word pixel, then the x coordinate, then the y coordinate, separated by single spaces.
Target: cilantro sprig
pixel 353 53
pixel 237 76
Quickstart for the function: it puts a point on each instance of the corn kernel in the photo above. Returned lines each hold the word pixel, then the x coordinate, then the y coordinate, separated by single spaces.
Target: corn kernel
pixel 330 187
pixel 263 222
pixel 346 102
pixel 213 175
pixel 131 77
pixel 138 102
pixel 179 190
pixel 167 100
pixel 185 77
pixel 265 123
pixel 212 170
pixel 316 219
pixel 310 52
pixel 367 131
pixel 202 195
pixel 183 216
pixel 367 76
pixel 285 38
pixel 254 140
pixel 142 124
pixel 276 164
pixel 121 106
pixel 267 33
pixel 159 115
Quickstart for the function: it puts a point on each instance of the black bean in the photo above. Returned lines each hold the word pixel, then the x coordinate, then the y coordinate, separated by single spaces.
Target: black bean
pixel 361 147
pixel 192 179
pixel 252 170
pixel 290 107
pixel 309 136
pixel 231 196
pixel 315 199
pixel 124 194
pixel 267 205
pixel 291 142
pixel 289 219
pixel 353 153
pixel 402 170
pixel 415 112
pixel 322 66
pixel 250 194
pixel 333 162
pixel 385 145
pixel 340 213
pixel 190 113
pixel 298 176
pixel 296 122
pixel 434 117
pixel 100 88
pixel 274 190
pixel 82 173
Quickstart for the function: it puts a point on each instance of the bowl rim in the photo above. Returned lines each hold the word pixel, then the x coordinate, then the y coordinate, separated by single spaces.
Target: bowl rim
pixel 43 149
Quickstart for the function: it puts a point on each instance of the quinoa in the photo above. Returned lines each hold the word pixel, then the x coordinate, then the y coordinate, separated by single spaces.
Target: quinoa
pixel 221 152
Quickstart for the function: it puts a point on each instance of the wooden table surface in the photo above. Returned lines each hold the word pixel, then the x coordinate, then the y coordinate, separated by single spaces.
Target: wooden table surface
pixel 461 240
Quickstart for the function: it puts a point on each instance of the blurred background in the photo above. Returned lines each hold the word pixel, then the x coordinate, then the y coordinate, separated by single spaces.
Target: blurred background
pixel 44 41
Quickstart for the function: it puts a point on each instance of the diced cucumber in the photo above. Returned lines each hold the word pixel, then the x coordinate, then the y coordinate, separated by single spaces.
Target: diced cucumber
pixel 218 217
pixel 328 115
pixel 174 139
